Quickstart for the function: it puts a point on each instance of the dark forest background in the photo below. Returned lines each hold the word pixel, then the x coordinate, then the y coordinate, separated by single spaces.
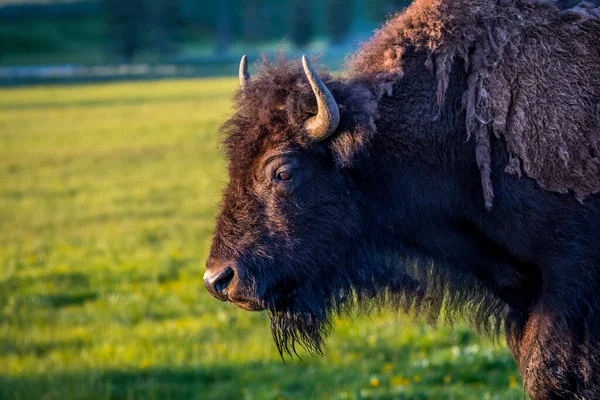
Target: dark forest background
pixel 117 31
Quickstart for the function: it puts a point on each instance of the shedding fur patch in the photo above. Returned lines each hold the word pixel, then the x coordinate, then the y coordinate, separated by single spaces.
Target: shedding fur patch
pixel 533 74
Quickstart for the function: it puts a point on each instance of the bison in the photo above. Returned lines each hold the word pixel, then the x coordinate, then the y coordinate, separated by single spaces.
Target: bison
pixel 454 166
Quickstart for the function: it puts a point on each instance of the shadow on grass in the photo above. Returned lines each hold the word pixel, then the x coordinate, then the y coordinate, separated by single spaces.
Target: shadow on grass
pixel 222 382
pixel 8 348
pixel 257 380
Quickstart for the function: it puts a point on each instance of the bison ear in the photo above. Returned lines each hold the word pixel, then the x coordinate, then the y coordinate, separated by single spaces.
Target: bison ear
pixel 244 75
pixel 324 124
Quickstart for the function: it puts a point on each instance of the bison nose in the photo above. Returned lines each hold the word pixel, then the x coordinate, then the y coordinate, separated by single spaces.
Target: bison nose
pixel 217 279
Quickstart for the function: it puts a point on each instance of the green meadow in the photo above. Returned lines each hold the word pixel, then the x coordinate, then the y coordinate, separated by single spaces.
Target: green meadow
pixel 108 197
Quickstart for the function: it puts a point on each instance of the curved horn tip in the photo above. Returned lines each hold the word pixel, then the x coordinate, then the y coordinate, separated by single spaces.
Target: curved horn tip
pixel 324 124
pixel 244 75
pixel 307 65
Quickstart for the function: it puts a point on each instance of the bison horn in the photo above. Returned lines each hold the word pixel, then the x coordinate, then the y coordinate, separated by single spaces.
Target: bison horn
pixel 244 74
pixel 322 125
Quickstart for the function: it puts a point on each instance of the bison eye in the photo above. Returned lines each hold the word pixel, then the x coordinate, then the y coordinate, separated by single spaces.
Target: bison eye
pixel 282 170
pixel 284 176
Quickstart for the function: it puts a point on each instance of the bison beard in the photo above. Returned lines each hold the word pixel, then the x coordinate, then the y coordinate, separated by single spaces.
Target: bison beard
pixel 373 279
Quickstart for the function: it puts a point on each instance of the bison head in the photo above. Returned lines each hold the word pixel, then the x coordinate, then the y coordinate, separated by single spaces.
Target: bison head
pixel 290 235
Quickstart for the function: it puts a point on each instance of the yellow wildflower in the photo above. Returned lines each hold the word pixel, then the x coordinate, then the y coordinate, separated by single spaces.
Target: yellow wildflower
pixel 145 363
pixel 396 380
pixel 447 379
pixel 399 381
pixel 387 367
pixel 374 381
pixel 417 378
pixel 512 381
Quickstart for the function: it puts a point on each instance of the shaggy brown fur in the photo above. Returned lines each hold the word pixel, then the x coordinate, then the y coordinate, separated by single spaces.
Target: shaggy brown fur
pixel 533 79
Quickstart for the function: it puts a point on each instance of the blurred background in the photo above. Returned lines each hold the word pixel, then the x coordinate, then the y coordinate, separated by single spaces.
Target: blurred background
pixel 110 178
pixel 104 39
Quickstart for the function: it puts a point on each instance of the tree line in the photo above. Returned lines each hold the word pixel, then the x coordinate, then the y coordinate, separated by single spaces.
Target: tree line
pixel 163 27
pixel 134 25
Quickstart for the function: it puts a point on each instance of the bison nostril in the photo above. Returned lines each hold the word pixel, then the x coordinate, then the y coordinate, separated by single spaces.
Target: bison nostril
pixel 218 278
pixel 224 279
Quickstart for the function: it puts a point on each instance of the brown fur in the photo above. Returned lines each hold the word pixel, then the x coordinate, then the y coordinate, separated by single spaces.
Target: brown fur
pixel 533 79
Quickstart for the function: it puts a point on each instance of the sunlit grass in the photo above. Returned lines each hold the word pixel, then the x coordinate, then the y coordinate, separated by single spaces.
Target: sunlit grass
pixel 108 195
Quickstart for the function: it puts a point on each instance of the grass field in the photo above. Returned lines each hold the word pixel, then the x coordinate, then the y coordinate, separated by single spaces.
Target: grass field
pixel 107 202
